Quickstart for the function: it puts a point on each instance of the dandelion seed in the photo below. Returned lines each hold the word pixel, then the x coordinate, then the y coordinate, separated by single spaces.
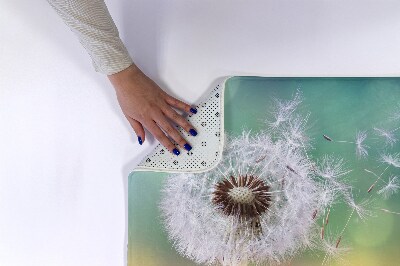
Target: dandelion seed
pixel 390 138
pixel 390 188
pixel 291 169
pixel 331 167
pixel 332 250
pixel 396 114
pixel 262 158
pixel 314 214
pixel 391 159
pixel 361 149
pixel 360 208
pixel 344 228
pixel 378 178
pixel 283 110
pixel 338 241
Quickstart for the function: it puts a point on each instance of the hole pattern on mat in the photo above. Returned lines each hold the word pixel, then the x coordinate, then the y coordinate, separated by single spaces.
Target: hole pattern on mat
pixel 205 146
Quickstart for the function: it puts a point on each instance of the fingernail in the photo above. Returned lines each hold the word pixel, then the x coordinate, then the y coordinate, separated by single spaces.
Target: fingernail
pixel 193 132
pixel 187 147
pixel 176 151
pixel 193 110
pixel 140 140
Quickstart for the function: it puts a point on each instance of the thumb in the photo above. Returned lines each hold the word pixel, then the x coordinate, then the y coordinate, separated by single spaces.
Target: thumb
pixel 138 128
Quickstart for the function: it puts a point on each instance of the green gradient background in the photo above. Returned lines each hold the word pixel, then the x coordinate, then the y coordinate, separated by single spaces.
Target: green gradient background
pixel 339 107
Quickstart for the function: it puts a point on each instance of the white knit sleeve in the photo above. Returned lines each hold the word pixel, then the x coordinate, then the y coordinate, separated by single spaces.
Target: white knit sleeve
pixel 91 21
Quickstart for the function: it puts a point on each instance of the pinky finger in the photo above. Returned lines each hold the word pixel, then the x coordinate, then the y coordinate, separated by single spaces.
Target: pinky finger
pixel 180 105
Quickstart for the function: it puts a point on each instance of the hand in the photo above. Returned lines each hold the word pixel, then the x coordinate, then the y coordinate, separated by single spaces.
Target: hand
pixel 144 103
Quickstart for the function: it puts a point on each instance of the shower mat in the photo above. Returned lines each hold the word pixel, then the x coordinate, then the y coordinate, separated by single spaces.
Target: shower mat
pixel 347 123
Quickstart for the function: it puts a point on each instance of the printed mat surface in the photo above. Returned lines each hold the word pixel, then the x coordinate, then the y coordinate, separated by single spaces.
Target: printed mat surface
pixel 344 137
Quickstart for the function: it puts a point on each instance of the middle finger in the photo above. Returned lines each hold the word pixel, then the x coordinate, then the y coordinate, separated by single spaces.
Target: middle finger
pixel 163 122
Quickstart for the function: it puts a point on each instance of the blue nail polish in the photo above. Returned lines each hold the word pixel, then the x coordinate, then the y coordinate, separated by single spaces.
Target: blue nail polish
pixel 139 140
pixel 193 132
pixel 176 151
pixel 187 147
pixel 193 110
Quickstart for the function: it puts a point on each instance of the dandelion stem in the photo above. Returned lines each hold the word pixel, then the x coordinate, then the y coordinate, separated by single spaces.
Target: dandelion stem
pixel 327 217
pixel 385 210
pixel 347 223
pixel 262 158
pixel 344 141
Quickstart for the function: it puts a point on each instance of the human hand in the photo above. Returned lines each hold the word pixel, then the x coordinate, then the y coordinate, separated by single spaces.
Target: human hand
pixel 144 103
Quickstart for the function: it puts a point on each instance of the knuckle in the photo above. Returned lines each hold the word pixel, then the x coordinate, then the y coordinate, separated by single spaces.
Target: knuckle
pixel 169 130
pixel 173 101
pixel 181 141
pixel 168 144
pixel 175 115
pixel 182 105
pixel 187 126
pixel 158 134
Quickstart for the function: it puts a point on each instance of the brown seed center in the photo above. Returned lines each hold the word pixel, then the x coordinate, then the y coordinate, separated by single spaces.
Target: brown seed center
pixel 245 196
pixel 241 195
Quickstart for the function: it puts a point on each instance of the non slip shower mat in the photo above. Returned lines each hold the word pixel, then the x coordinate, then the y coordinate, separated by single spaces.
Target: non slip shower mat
pixel 283 171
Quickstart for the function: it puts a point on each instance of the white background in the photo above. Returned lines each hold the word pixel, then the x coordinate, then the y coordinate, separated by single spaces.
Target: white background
pixel 65 147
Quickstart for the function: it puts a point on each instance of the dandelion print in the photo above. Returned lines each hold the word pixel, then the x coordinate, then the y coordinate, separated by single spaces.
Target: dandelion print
pixel 261 203
pixel 267 200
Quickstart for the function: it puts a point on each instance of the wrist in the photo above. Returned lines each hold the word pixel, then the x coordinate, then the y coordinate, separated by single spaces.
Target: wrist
pixel 119 79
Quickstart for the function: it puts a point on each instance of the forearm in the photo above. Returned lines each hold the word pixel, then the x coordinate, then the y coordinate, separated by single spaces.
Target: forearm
pixel 91 21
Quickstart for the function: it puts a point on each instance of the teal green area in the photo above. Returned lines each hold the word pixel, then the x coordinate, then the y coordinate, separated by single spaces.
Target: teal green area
pixel 337 107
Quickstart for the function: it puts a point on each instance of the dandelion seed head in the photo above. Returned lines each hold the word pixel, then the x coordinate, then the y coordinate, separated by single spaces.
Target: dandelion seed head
pixel 270 218
pixel 261 202
pixel 246 196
